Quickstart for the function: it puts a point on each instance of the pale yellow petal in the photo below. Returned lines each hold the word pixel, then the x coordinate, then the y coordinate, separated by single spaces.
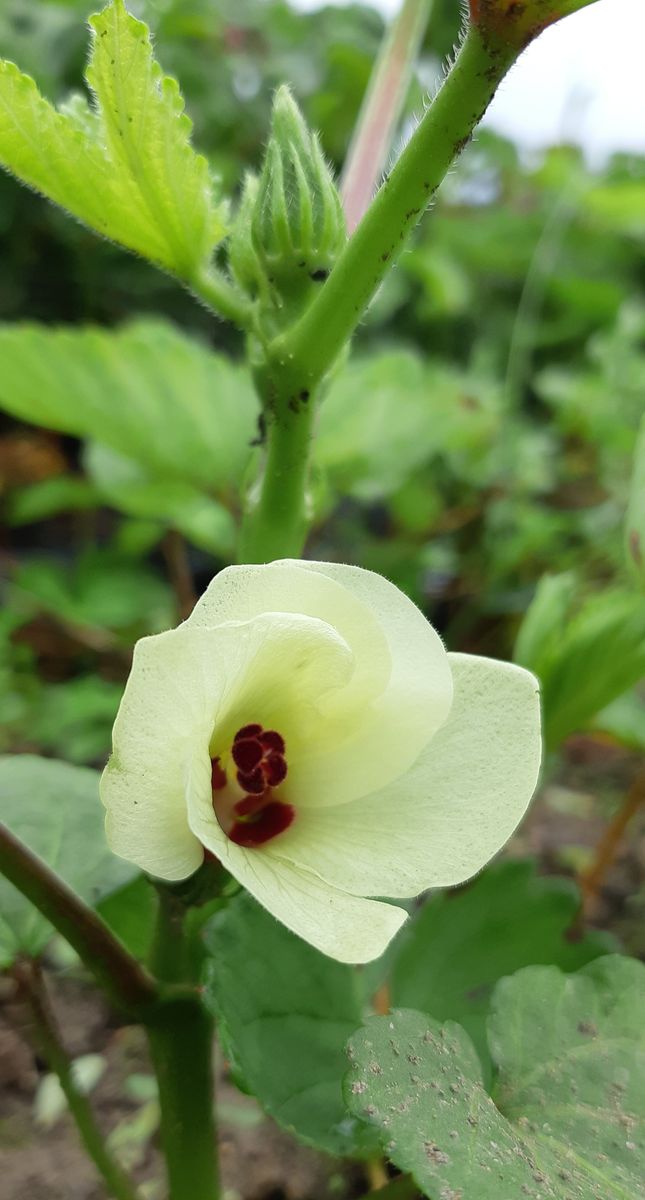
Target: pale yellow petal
pixel 446 817
pixel 187 689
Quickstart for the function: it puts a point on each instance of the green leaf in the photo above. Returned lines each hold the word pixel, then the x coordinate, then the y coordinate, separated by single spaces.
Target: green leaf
pixel 127 486
pixel 125 165
pixel 146 391
pixel 583 658
pixel 624 719
pixel 635 523
pixel 541 630
pixel 131 914
pixel 101 592
pixel 285 1013
pixel 74 718
pixel 49 497
pixel 55 810
pixel 453 951
pixel 618 206
pixel 569 1100
pixel 386 415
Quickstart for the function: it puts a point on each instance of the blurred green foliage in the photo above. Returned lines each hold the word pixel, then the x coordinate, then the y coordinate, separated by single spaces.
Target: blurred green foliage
pixel 480 440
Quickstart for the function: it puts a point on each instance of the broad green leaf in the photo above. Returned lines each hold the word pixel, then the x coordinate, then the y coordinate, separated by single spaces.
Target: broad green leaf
pixel 635 523
pixel 131 913
pixel 55 809
pixel 101 591
pixel 453 951
pixel 386 415
pixel 587 657
pixel 127 486
pixel 566 1119
pixel 74 718
pixel 146 391
pixel 125 165
pixel 285 1013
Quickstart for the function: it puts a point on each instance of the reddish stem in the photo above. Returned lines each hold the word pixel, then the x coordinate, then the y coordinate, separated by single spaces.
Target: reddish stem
pixel 591 880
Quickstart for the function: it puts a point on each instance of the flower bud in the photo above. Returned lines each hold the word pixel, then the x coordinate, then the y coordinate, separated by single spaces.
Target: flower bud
pixel 297 223
pixel 242 257
pixel 517 22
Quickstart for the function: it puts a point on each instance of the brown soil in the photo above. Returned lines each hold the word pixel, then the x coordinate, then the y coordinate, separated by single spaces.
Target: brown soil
pixel 258 1160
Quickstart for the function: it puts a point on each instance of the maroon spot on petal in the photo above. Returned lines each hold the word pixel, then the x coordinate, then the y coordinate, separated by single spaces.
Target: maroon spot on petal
pixel 272 820
pixel 254 782
pixel 249 806
pixel 275 770
pixel 218 776
pixel 247 754
pixel 272 740
pixel 247 731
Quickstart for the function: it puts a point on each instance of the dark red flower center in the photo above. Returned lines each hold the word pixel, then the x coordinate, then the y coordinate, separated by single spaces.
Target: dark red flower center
pixel 259 758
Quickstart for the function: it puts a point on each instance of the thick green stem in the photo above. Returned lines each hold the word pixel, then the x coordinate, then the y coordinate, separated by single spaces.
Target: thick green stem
pixel 47 1041
pixel 300 357
pixel 180 1036
pixel 382 107
pixel 124 980
pixel 276 520
pixel 181 1042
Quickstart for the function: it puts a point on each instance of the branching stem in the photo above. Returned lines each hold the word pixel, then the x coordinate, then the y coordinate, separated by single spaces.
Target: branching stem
pixel 215 291
pixel 122 978
pixel 300 357
pixel 297 360
pixel 47 1041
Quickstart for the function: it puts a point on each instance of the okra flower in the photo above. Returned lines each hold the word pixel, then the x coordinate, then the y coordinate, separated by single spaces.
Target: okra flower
pixel 306 727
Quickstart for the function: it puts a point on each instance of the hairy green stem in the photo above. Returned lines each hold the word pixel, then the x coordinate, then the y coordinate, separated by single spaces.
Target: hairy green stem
pixel 124 980
pixel 215 291
pixel 276 519
pixel 180 1036
pixel 382 107
pixel 300 357
pixel 47 1041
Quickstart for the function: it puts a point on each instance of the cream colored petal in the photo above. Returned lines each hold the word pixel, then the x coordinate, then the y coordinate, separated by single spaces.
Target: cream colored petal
pixel 240 593
pixel 187 688
pixel 456 807
pixel 341 925
pixel 403 718
pixel 375 731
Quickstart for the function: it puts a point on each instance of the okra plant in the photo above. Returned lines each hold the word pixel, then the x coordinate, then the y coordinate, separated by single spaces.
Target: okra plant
pixel 302 757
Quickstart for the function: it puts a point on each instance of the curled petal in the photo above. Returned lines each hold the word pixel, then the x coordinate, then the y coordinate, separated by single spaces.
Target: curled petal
pixel 186 687
pixel 399 694
pixel 457 806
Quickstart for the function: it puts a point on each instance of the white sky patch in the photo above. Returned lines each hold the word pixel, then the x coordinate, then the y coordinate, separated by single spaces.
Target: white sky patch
pixel 582 81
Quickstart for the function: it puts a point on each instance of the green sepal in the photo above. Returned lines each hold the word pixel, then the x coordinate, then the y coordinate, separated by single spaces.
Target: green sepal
pixel 297 225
